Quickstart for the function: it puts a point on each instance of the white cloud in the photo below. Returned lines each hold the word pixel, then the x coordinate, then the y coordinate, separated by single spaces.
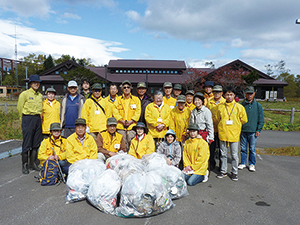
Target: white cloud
pixel 38 42
pixel 133 15
pixel 71 16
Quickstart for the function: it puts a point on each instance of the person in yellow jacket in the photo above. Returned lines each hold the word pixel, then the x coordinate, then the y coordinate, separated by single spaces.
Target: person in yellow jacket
pixel 212 105
pixel 230 117
pixel 179 119
pixel 157 116
pixel 112 98
pixel 54 148
pixel 127 112
pixel 109 142
pixel 195 157
pixel 168 99
pixel 142 143
pixel 51 111
pixel 80 145
pixel 208 94
pixel 189 95
pixel 94 111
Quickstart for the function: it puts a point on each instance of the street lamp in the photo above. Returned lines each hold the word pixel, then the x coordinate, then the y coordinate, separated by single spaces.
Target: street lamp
pixel 297 21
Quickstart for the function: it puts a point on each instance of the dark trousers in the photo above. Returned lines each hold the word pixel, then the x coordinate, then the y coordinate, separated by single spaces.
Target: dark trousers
pixel 214 150
pixel 32 132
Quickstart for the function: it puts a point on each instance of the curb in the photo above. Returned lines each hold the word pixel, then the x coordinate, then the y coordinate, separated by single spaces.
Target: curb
pixel 10 153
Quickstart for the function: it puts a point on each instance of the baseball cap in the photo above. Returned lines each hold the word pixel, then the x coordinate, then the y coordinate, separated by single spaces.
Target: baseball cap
pixel 72 83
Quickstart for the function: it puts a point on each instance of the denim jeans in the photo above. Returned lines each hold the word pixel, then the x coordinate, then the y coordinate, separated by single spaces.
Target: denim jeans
pixel 248 139
pixel 193 179
pixel 64 165
pixel 224 146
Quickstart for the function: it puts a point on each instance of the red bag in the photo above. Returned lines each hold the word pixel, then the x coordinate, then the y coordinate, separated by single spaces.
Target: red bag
pixel 204 134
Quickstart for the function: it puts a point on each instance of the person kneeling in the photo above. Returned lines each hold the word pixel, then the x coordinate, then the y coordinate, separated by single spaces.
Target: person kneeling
pixel 195 157
pixel 142 143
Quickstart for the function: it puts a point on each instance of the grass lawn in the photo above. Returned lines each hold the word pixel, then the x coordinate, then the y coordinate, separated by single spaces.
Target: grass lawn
pixel 287 151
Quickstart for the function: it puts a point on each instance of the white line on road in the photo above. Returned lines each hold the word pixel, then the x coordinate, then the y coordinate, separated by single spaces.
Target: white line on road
pixel 259 157
pixel 3 142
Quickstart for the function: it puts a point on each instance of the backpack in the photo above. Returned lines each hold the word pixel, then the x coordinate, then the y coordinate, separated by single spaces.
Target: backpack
pixel 49 173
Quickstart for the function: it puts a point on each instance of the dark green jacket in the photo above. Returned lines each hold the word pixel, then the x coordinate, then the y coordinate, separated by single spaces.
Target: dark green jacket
pixel 255 114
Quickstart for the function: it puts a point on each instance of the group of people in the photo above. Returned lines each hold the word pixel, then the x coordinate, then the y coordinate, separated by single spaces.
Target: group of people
pixel 188 129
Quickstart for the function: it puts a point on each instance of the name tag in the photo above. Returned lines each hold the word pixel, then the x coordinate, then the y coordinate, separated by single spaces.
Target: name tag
pixel 229 122
pixel 159 120
pixel 31 98
pixel 172 107
pixel 97 112
pixel 133 106
pixel 117 146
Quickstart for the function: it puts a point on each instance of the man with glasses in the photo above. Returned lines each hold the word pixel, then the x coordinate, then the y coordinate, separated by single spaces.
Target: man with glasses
pixel 71 106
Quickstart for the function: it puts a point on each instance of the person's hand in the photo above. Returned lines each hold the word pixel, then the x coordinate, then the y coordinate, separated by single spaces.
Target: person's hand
pixel 257 133
pixel 122 122
pixel 169 161
pixel 128 123
pixel 51 157
pixel 112 154
pixel 160 127
pixel 187 169
pixel 56 157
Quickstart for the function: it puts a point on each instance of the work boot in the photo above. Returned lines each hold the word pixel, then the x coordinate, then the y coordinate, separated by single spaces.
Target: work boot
pixel 33 159
pixel 25 163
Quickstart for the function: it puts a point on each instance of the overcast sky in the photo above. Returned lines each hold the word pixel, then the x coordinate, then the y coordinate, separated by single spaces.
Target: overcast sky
pixel 196 31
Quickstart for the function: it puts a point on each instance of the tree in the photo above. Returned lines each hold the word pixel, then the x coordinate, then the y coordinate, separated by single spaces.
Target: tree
pixel 251 77
pixel 9 80
pixel 80 73
pixel 210 64
pixel 276 69
pixel 48 63
pixel 292 90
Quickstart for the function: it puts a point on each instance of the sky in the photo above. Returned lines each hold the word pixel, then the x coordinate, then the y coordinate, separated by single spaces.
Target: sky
pixel 196 31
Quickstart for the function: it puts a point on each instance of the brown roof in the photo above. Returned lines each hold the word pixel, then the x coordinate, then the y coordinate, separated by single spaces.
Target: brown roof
pixel 262 81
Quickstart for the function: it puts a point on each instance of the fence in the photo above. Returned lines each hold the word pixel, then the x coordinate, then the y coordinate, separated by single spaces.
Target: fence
pixel 5 106
pixel 285 110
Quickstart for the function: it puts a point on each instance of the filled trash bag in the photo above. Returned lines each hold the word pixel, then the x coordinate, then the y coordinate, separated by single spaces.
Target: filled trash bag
pixel 154 161
pixel 112 162
pixel 81 174
pixel 103 191
pixel 142 195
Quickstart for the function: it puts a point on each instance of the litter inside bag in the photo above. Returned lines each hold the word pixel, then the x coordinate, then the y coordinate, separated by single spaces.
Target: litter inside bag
pixel 154 161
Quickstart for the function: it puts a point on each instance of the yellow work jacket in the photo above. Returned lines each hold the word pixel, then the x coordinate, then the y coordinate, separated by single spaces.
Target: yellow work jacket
pixel 30 102
pixel 213 107
pixel 208 98
pixel 155 116
pixel 111 105
pixel 179 121
pixel 196 154
pixel 51 114
pixel 93 114
pixel 127 109
pixel 75 151
pixel 170 101
pixel 111 143
pixel 47 146
pixel 230 129
pixel 191 106
pixel 139 148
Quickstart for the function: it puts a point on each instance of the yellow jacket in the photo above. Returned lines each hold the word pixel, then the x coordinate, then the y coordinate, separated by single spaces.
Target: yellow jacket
pixel 179 121
pixel 196 154
pixel 45 150
pixel 231 132
pixel 51 114
pixel 208 98
pixel 127 109
pixel 30 102
pixel 191 106
pixel 170 101
pixel 110 142
pixel 213 107
pixel 93 114
pixel 75 151
pixel 155 116
pixel 111 105
pixel 139 148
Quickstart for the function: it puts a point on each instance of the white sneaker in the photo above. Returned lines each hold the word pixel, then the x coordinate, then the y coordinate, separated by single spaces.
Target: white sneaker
pixel 206 177
pixel 252 168
pixel 241 166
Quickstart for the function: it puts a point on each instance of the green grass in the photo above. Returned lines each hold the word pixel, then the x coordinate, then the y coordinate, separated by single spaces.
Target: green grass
pixel 10 126
pixel 286 151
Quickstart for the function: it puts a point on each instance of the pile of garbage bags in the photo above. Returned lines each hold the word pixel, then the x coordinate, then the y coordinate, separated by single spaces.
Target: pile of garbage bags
pixel 126 186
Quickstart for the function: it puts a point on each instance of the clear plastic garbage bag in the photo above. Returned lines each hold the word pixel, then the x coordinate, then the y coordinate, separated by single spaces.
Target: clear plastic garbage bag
pixel 154 161
pixel 103 191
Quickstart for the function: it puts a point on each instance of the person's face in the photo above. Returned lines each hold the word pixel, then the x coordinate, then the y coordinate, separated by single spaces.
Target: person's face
pixel 50 96
pixel 56 133
pixel 208 89
pixel 73 90
pixel 198 102
pixel 112 128
pixel 229 96
pixel 139 131
pixel 168 91
pixel 35 85
pixel 250 96
pixel 126 89
pixel 158 99
pixel 176 92
pixel 80 129
pixel 193 133
pixel 85 85
pixel 217 94
pixel 97 93
pixel 141 91
pixel 170 138
pixel 113 90
pixel 181 105
pixel 189 98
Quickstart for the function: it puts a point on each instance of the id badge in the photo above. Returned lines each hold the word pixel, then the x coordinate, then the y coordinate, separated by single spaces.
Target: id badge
pixel 159 120
pixel 133 106
pixel 229 122
pixel 97 112
pixel 172 107
pixel 117 146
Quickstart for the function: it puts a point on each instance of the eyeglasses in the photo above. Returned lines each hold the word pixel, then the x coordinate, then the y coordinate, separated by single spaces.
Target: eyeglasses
pixel 72 87
pixel 126 87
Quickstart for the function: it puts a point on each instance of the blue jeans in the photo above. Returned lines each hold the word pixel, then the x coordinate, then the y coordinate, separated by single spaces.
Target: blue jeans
pixel 64 165
pixel 248 138
pixel 193 179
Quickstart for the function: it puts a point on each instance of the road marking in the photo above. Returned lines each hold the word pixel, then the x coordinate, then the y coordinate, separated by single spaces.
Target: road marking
pixel 3 142
pixel 260 157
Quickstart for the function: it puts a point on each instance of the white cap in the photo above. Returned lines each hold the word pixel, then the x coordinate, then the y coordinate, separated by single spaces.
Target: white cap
pixel 72 83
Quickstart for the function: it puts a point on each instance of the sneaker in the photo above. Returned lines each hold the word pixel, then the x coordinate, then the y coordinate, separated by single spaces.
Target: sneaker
pixel 252 168
pixel 222 175
pixel 206 177
pixel 241 166
pixel 234 177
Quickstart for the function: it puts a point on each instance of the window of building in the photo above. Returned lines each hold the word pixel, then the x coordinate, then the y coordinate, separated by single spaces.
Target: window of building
pixel 1 91
pixel 8 91
pixel 56 72
pixel 65 72
pixel 15 90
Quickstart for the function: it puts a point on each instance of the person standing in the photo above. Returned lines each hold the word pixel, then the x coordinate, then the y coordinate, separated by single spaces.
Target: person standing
pixel 168 99
pixel 145 99
pixel 30 108
pixel 230 117
pixel 189 95
pixel 177 90
pixel 85 91
pixel 251 130
pixel 112 98
pixel 51 111
pixel 208 87
pixel 71 106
